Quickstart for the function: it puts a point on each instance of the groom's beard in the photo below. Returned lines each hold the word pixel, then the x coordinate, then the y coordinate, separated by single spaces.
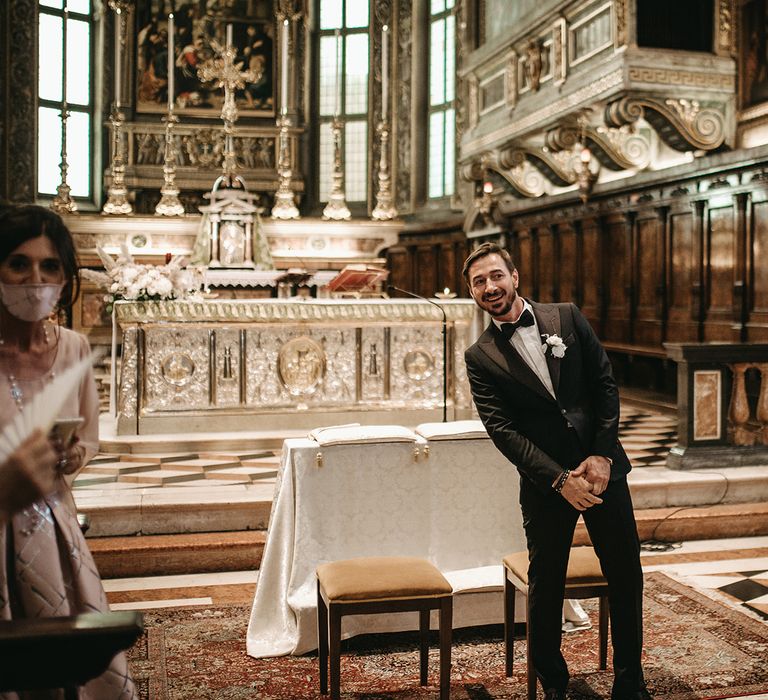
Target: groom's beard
pixel 494 308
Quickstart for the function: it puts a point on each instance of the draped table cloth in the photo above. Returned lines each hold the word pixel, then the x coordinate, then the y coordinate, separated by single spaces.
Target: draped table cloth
pixel 451 501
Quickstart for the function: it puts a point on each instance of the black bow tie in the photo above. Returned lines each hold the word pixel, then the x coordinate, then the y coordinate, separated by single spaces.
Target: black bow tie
pixel 526 319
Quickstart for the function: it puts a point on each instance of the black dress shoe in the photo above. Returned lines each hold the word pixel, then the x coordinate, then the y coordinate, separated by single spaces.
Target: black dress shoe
pixel 641 694
pixel 554 694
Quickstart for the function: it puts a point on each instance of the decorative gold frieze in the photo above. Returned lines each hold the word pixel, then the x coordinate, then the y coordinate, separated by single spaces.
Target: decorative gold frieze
pixel 682 78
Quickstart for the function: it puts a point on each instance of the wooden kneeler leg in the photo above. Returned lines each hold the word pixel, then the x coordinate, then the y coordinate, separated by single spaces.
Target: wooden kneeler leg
pixel 446 630
pixel 509 623
pixel 335 615
pixel 322 641
pixel 529 656
pixel 423 646
pixel 603 632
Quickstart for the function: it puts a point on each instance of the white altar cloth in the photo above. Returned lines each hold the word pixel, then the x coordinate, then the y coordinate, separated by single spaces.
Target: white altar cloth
pixel 453 502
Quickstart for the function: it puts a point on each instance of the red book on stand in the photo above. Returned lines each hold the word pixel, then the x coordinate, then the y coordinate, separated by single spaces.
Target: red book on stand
pixel 358 278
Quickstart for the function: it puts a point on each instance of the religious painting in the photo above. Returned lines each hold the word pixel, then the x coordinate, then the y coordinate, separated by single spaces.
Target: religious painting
pixel 200 30
pixel 754 52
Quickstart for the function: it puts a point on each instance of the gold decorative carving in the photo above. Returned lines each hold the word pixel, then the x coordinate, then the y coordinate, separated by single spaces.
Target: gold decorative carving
pixel 556 166
pixel 533 63
pixel 620 18
pixel 559 63
pixel 276 310
pixel 725 26
pixel 706 405
pixel 510 81
pixel 682 78
pixel 419 364
pixel 177 368
pixel 691 125
pixel 301 366
pixel 623 145
pixel 474 101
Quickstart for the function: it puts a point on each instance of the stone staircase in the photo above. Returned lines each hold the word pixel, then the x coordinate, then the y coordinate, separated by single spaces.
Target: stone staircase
pixel 191 504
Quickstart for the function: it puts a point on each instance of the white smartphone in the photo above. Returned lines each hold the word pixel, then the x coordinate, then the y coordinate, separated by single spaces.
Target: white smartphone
pixel 64 428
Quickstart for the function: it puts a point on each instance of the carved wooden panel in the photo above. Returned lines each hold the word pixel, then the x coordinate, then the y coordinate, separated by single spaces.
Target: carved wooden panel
pixel 449 267
pixel 399 264
pixel 524 264
pixel 546 264
pixel 720 261
pixel 681 325
pixel 591 273
pixel 648 274
pixel 426 265
pixel 616 247
pixel 758 313
pixel 567 265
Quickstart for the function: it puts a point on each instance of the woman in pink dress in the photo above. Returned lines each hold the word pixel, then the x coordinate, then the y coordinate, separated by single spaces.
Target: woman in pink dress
pixel 46 569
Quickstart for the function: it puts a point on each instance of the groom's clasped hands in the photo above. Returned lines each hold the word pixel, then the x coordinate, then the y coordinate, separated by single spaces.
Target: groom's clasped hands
pixel 585 483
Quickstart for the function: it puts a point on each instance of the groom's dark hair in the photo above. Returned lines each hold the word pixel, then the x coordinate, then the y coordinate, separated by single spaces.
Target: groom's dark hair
pixel 481 252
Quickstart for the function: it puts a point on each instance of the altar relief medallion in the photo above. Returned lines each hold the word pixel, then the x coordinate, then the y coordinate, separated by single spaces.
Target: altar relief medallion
pixel 177 369
pixel 301 366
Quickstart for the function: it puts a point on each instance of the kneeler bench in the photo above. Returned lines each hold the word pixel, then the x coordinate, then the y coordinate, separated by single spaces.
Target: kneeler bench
pixel 370 585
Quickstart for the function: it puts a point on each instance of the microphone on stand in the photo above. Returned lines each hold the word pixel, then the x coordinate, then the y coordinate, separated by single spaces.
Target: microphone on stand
pixel 392 288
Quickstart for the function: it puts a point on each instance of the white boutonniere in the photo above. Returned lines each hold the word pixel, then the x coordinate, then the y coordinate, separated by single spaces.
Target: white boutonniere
pixel 555 344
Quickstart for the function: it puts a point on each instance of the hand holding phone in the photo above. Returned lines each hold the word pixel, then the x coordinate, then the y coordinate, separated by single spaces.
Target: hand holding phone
pixel 63 429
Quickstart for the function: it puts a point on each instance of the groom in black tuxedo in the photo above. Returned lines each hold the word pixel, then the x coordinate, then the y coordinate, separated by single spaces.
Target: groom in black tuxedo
pixel 544 389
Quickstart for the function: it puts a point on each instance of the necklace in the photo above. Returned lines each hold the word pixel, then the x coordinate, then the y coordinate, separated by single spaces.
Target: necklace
pixel 17 394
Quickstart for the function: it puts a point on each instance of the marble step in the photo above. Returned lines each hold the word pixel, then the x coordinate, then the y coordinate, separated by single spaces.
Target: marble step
pixel 121 557
pixel 154 555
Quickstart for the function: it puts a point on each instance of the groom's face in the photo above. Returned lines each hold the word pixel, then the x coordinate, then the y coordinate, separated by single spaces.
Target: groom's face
pixel 492 285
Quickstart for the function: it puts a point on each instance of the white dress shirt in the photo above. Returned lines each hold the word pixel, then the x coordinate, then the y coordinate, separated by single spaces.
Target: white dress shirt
pixel 527 341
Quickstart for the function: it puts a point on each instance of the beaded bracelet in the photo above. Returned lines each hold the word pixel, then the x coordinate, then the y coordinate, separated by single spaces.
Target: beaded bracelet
pixel 561 481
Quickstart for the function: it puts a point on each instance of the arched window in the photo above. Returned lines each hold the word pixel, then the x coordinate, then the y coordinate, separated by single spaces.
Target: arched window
pixel 343 82
pixel 442 83
pixel 65 59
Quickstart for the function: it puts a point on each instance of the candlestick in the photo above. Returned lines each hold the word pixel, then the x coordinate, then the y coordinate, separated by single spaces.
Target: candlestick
pixel 284 68
pixel 384 71
pixel 118 37
pixel 229 36
pixel 171 64
pixel 337 106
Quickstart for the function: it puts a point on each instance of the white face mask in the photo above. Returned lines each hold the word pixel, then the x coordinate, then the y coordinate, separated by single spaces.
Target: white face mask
pixel 30 302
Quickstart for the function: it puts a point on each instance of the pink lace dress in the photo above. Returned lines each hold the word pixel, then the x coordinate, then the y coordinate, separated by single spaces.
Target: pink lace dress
pixel 46 569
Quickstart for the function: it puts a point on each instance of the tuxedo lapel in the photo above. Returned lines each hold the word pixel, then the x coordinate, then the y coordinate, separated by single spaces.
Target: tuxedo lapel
pixel 548 321
pixel 499 349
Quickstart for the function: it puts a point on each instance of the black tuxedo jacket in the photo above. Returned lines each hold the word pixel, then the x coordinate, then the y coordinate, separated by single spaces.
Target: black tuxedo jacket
pixel 539 434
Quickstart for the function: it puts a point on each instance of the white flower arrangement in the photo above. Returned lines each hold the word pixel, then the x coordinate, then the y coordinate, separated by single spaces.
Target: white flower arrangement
pixel 555 344
pixel 125 279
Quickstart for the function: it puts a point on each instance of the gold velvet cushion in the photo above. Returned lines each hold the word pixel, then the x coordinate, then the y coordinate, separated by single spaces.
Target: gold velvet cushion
pixel 583 566
pixel 381 578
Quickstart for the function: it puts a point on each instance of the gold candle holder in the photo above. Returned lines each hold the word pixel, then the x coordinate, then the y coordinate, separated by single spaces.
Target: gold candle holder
pixel 336 208
pixel 385 206
pixel 285 199
pixel 169 204
pixel 63 203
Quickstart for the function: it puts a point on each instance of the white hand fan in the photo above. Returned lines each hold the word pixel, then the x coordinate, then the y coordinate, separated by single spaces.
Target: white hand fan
pixel 42 409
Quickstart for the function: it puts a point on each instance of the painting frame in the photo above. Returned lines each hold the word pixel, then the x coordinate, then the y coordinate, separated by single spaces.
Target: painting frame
pixel 199 27
pixel 753 53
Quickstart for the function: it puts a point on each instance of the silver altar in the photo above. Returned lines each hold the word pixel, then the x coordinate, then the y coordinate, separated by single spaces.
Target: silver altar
pixel 227 365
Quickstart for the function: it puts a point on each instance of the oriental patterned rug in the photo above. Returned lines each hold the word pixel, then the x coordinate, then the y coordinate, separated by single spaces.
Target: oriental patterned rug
pixel 696 648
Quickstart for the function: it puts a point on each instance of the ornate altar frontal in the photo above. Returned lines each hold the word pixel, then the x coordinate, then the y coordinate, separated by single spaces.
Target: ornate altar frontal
pixel 223 365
